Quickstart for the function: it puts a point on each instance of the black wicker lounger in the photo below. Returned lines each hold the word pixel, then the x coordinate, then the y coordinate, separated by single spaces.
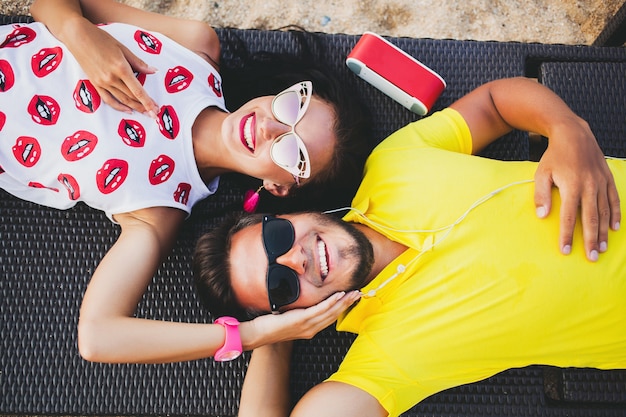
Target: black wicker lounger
pixel 47 257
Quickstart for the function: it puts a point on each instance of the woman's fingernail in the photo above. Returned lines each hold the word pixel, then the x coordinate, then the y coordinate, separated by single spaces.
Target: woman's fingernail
pixel 616 226
pixel 593 255
pixel 566 250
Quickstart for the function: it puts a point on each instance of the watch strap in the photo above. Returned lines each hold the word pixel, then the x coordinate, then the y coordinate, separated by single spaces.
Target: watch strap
pixel 232 348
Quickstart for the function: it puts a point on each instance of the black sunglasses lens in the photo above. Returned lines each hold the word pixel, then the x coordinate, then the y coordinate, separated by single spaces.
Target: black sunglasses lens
pixel 278 237
pixel 283 286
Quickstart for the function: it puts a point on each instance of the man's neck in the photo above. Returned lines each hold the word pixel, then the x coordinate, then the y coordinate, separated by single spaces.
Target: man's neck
pixel 385 249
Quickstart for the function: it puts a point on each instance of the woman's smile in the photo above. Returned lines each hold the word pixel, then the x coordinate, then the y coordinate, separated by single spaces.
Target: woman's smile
pixel 247 131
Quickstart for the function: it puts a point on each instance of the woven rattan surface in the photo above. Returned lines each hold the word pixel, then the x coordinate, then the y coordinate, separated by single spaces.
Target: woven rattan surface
pixel 47 257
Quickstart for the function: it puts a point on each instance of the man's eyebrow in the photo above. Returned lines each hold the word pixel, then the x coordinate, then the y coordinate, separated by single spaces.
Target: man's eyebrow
pixel 266 262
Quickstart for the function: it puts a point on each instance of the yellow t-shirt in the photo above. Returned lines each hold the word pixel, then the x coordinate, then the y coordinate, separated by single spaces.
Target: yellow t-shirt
pixel 485 287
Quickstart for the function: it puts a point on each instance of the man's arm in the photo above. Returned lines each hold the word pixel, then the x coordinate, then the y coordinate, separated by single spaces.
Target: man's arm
pixel 336 399
pixel 265 391
pixel 573 161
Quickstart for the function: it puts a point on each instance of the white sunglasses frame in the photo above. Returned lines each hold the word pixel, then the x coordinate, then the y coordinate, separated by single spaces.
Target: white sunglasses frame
pixel 303 169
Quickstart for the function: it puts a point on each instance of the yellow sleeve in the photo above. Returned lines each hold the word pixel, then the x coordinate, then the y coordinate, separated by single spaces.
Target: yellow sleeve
pixel 445 129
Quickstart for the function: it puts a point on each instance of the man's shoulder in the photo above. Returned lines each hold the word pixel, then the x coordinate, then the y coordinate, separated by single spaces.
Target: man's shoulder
pixel 444 129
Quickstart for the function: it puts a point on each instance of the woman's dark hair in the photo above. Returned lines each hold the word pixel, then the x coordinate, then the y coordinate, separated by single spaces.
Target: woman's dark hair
pixel 211 267
pixel 246 75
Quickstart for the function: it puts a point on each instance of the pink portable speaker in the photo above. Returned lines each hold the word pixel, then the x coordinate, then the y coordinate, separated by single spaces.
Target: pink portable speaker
pixel 395 73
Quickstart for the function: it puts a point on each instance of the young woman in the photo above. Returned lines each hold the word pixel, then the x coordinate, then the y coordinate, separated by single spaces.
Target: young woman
pixel 147 157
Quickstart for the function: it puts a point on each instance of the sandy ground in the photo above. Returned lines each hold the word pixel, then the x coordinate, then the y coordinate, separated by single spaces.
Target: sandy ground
pixel 546 21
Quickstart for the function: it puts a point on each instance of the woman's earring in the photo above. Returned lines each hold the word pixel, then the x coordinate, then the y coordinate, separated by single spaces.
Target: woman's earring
pixel 251 200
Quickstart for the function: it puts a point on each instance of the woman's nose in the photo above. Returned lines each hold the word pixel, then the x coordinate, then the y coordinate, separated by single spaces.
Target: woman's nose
pixel 295 259
pixel 271 128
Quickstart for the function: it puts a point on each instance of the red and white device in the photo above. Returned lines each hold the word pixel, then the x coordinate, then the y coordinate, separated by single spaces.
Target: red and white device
pixel 395 73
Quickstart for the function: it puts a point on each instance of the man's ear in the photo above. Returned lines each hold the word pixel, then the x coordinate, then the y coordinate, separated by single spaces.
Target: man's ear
pixel 276 189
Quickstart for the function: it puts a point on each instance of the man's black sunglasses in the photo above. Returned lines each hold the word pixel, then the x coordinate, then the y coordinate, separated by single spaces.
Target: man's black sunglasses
pixel 283 286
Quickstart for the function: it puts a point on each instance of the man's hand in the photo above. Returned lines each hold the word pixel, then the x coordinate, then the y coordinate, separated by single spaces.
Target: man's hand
pixel 301 323
pixel 111 68
pixel 573 161
pixel 575 164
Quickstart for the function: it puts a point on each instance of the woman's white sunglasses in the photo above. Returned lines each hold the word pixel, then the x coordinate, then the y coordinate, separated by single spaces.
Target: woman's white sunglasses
pixel 288 150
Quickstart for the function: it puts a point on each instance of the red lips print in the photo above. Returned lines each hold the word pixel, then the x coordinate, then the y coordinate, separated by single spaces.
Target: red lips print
pixel 168 122
pixel 181 195
pixel 71 185
pixel 44 110
pixel 27 151
pixel 148 42
pixel 46 60
pixel 86 97
pixel 161 169
pixel 79 145
pixel 21 35
pixel 216 85
pixel 112 175
pixel 7 77
pixel 141 77
pixel 35 184
pixel 177 79
pixel 132 133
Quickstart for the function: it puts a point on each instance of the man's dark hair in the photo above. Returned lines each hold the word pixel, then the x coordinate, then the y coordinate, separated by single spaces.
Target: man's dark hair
pixel 211 267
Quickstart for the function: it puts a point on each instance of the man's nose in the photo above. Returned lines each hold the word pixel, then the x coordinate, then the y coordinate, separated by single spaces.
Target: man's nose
pixel 295 259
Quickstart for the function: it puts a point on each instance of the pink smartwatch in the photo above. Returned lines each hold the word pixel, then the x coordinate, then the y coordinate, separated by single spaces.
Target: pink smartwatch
pixel 232 342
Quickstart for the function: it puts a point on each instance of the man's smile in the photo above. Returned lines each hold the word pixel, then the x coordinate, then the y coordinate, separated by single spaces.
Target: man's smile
pixel 322 253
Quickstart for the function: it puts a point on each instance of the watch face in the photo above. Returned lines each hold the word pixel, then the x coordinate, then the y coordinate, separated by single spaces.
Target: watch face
pixel 228 356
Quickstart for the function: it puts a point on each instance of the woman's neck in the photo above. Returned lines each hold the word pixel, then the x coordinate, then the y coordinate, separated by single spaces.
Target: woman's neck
pixel 208 148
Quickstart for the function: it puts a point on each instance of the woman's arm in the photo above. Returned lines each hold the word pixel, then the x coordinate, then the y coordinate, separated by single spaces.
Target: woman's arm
pixel 192 34
pixel 108 64
pixel 108 332
pixel 573 161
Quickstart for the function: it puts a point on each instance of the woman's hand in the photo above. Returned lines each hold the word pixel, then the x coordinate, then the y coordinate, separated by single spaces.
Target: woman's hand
pixel 110 67
pixel 301 323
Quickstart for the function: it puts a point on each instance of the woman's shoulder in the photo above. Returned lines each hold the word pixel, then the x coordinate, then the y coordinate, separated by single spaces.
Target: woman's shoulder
pixel 196 36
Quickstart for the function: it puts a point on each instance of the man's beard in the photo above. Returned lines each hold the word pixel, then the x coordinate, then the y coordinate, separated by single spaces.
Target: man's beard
pixel 361 251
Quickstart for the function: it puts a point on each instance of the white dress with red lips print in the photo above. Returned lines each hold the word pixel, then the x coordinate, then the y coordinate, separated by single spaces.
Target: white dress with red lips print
pixel 59 143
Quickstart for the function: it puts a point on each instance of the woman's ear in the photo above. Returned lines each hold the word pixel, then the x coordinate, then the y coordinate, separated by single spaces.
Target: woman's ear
pixel 276 189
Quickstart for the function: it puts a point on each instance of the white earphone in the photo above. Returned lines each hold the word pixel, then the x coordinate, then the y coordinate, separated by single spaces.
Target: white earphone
pixel 401 268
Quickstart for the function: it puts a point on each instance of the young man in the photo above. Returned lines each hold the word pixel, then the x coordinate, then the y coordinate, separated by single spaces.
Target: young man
pixel 458 278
